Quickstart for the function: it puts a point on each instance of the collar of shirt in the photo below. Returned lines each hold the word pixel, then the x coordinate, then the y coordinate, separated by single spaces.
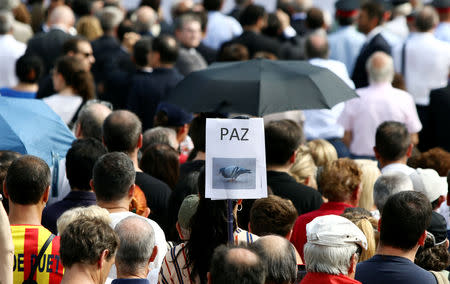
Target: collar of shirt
pixel 299 16
pixel 334 205
pixel 373 33
pixel 81 195
pixel 130 281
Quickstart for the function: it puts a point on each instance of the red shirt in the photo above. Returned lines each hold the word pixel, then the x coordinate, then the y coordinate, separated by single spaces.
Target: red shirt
pixel 323 278
pixel 298 238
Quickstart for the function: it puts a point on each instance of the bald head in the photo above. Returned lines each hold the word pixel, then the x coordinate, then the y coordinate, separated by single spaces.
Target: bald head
pixel 380 68
pixel 427 19
pixel 279 257
pixel 317 46
pixel 137 246
pixel 90 121
pixel 121 131
pixel 236 265
pixel 146 17
pixel 62 16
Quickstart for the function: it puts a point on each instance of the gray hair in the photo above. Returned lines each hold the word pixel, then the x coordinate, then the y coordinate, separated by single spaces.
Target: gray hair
pixel 6 22
pixel 279 257
pixel 160 135
pixel 380 68
pixel 91 118
pixel 389 184
pixel 327 259
pixel 110 17
pixel 137 241
pixel 144 19
pixel 427 19
pixel 62 15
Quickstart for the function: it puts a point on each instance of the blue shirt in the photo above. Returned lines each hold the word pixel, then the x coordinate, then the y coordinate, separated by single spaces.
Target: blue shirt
pixel 8 92
pixel 345 45
pixel 385 269
pixel 130 281
pixel 442 32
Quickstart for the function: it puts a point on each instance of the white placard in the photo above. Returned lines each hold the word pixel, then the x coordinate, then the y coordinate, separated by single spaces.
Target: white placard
pixel 235 159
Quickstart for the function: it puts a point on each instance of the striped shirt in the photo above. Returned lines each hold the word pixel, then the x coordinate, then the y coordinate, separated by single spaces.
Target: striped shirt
pixel 174 270
pixel 28 240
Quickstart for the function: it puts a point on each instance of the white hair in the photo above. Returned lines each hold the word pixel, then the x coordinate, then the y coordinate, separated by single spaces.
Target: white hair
pixel 380 68
pixel 327 259
pixel 6 22
pixel 389 184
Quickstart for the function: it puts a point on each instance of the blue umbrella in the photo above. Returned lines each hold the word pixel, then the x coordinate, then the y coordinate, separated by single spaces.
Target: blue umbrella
pixel 31 127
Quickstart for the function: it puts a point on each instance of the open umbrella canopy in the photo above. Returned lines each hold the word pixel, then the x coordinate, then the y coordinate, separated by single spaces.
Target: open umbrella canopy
pixel 259 87
pixel 29 126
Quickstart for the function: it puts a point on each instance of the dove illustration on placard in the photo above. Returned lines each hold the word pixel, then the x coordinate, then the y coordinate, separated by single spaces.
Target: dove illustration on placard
pixel 233 172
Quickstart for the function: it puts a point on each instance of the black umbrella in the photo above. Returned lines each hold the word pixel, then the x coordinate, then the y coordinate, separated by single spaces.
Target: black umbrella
pixel 259 87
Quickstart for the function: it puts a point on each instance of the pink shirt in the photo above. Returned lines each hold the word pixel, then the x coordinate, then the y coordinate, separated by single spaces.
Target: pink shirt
pixel 376 104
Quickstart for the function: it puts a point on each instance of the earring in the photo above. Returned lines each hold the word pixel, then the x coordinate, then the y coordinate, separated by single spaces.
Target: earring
pixel 239 207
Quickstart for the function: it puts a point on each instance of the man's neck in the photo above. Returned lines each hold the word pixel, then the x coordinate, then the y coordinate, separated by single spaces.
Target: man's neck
pixel 388 250
pixel 277 168
pixel 141 274
pixel 134 158
pixel 79 274
pixel 25 214
pixel 115 206
pixel 384 163
pixel 254 29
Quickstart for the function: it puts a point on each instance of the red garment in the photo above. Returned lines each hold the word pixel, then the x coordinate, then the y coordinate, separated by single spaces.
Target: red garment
pixel 323 278
pixel 298 238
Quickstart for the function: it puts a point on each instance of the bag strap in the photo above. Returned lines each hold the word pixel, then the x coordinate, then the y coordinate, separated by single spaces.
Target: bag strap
pixel 75 116
pixel 403 70
pixel 38 259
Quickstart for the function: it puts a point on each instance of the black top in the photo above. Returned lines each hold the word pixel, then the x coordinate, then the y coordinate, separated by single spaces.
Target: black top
pixel 148 90
pixel 439 119
pixel 305 198
pixel 157 194
pixel 73 199
pixel 392 269
pixel 377 43
pixel 256 42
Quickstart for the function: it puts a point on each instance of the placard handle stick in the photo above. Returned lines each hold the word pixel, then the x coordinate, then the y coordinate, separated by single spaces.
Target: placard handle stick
pixel 230 221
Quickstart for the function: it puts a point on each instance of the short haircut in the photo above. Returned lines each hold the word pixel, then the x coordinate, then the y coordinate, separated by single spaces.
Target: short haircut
pixel 159 135
pixel 71 45
pixel 212 5
pixel 280 259
pixel 93 211
pixel 389 184
pixel 406 216
pixel 137 241
pixel 27 179
pixel 340 179
pixel 426 19
pixel 329 259
pixel 236 265
pixel 392 140
pixel 167 47
pixel 121 131
pixel 314 18
pixel 374 10
pixel 184 19
pixel 141 50
pixel 272 215
pixel 110 18
pixel 80 161
pixel 197 132
pixel 6 22
pixel 251 14
pixel 282 139
pixel 85 239
pixel 113 175
pixel 29 68
pixel 233 52
pixel 91 118
pixel 316 46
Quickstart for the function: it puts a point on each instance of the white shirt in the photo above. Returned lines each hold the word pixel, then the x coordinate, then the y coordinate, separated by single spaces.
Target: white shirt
pixel 322 123
pixel 377 103
pixel 10 51
pixel 221 28
pixel 160 242
pixel 397 167
pixel 427 65
pixel 64 105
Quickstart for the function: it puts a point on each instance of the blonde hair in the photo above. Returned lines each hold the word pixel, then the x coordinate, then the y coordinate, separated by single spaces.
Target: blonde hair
pixel 73 214
pixel 304 165
pixel 370 174
pixel 89 27
pixel 365 224
pixel 322 151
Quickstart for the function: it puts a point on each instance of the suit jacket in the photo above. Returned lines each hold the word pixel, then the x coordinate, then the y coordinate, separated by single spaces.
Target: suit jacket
pixel 256 42
pixel 208 53
pixel 48 46
pixel 439 119
pixel 377 43
pixel 148 90
pixel 190 60
pixel 106 52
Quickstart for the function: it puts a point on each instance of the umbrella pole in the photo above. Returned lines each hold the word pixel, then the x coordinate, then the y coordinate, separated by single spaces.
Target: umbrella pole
pixel 230 221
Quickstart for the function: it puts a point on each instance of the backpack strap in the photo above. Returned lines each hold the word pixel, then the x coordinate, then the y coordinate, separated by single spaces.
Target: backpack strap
pixel 38 259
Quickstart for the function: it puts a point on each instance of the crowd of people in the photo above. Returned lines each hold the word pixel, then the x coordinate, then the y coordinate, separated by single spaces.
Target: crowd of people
pixel 356 193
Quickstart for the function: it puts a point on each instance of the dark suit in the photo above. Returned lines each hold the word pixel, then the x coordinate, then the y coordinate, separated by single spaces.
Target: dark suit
pixel 256 42
pixel 208 53
pixel 439 110
pixel 148 90
pixel 48 46
pixel 377 43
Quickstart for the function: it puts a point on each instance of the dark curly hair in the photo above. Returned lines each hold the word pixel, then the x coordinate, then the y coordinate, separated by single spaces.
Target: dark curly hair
pixel 431 257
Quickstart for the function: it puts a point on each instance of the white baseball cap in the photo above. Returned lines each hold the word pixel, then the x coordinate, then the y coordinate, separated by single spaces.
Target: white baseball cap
pixel 428 182
pixel 334 231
